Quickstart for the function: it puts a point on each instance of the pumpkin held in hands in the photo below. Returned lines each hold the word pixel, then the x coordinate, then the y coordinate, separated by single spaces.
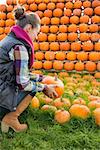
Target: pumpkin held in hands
pixel 59 88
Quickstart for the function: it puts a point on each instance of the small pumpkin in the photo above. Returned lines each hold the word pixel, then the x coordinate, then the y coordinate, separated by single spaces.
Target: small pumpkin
pixel 35 102
pixel 51 6
pixel 55 81
pixel 65 46
pixel 62 116
pixel 47 65
pixel 79 66
pixel 90 66
pixel 54 28
pixel 67 12
pixel 58 65
pixel 74 19
pixel 72 36
pixel 39 55
pixel 72 28
pixel 60 56
pixel 71 56
pixel 37 65
pixel 75 46
pixel 83 56
pixel 44 46
pixel 79 111
pixel 54 46
pixel 69 66
pixel 96 114
pixel 83 27
pixel 49 55
pixel 57 12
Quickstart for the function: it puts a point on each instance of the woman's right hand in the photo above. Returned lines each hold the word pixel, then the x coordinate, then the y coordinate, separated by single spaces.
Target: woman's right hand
pixel 49 91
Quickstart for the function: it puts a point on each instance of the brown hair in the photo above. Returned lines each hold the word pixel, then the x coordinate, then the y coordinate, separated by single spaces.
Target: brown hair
pixel 22 18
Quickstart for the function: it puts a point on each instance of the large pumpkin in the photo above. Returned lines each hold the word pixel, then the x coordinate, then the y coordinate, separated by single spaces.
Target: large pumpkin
pixel 55 81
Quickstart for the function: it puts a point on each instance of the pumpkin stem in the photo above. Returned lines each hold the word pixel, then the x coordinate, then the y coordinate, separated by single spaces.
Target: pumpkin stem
pixel 56 76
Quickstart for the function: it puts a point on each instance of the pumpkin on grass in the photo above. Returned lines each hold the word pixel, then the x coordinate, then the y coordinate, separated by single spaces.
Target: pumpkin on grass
pixel 79 111
pixel 35 102
pixel 96 114
pixel 62 116
pixel 55 81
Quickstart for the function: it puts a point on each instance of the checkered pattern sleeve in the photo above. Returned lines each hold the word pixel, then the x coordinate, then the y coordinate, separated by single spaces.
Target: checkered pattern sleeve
pixel 23 79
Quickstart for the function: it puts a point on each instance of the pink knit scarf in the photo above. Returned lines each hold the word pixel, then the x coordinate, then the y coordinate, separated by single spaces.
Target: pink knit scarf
pixel 21 34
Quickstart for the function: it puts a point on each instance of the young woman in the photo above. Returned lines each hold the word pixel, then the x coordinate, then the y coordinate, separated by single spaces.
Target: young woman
pixel 17 85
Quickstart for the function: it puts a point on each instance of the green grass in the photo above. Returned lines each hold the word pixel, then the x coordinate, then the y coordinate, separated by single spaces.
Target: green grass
pixel 45 134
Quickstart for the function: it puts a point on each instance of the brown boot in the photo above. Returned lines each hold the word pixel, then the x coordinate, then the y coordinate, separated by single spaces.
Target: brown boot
pixel 11 119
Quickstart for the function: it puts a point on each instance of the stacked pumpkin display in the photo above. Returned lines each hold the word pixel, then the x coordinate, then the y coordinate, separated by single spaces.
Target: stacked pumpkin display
pixel 69 37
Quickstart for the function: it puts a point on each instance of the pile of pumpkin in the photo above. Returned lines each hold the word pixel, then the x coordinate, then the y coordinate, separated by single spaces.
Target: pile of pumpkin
pixel 69 37
pixel 81 98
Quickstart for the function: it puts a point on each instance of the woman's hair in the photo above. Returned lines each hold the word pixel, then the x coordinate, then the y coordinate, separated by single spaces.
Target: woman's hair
pixel 22 18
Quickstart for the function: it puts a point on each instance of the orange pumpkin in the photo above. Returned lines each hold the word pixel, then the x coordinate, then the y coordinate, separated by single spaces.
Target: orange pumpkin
pixel 48 108
pixel 54 28
pixel 33 7
pixel 35 102
pixel 87 46
pixel 21 1
pixel 39 13
pixel 62 37
pixel 2 15
pixel 54 46
pixel 3 8
pixel 44 46
pixel 51 6
pixel 90 66
pixel 55 21
pixel 97 10
pixel 72 36
pixel 96 114
pixel 10 15
pixel 98 65
pixel 39 55
pixel 79 66
pixel 42 6
pixel 64 46
pixel 71 55
pixel 57 12
pixel 72 28
pixel 83 56
pixel 93 28
pixel 97 75
pixel 95 19
pixel 80 111
pixel 48 13
pixel 60 5
pixel 36 46
pixel 1 30
pixel 69 5
pixel 83 27
pixel 9 8
pixel 88 11
pixel 75 46
pixel 2 23
pixel 78 4
pixel 26 6
pixel 94 104
pixel 64 20
pixel 74 19
pixel 45 20
pixel 69 66
pixel 94 56
pixel 84 19
pixel 62 116
pixel 47 65
pixel 84 37
pixel 95 3
pixel 86 3
pixel 60 56
pixel 49 55
pixel 9 22
pixel 55 81
pixel 45 29
pixel 97 46
pixel 51 37
pixel 77 12
pixel 95 37
pixel 42 37
pixel 63 28
pixel 67 12
pixel 58 65
pixel 37 65
pixel 30 1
